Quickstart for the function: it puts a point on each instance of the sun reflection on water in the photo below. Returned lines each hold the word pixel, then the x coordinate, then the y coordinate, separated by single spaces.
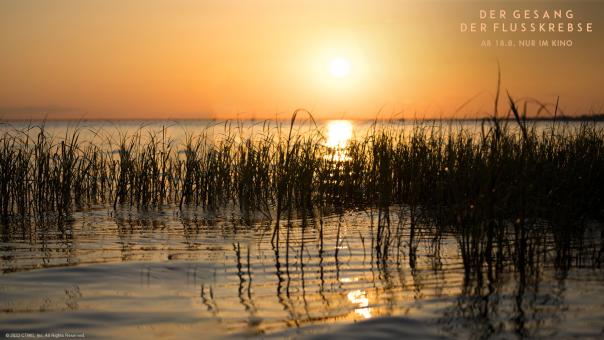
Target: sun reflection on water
pixel 359 298
pixel 339 133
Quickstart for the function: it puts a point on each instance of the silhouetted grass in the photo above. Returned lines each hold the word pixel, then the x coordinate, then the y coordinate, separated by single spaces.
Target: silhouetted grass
pixel 500 170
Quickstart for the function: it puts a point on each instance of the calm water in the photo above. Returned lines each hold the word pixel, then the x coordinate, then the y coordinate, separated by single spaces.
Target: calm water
pixel 336 132
pixel 191 273
pixel 171 273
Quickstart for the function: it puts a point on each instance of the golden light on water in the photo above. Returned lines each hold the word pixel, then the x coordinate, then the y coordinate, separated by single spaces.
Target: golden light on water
pixel 339 133
pixel 359 298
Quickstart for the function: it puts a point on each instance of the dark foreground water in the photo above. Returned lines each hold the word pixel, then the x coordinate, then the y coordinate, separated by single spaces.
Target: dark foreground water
pixel 198 274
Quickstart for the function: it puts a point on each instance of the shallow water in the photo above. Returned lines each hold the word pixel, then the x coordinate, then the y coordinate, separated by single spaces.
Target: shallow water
pixel 175 273
pixel 171 273
pixel 107 133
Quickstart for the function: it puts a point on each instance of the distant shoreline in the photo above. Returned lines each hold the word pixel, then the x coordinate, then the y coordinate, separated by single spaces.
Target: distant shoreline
pixel 581 118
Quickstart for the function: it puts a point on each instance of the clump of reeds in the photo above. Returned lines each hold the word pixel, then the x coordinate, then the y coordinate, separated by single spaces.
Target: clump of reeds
pixel 505 170
pixel 43 174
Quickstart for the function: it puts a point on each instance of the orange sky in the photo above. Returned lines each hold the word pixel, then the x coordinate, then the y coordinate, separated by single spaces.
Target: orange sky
pixel 226 59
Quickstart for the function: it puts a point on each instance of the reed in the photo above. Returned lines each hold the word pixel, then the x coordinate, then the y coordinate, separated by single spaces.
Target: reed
pixel 503 170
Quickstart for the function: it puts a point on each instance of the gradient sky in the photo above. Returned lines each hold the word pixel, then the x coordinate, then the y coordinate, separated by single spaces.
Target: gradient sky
pixel 226 59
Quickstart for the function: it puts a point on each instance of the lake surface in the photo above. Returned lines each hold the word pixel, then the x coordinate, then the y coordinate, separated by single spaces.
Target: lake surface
pixel 336 132
pixel 168 273
pixel 193 272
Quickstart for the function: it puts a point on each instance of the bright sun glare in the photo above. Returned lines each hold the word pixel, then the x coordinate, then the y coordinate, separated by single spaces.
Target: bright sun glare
pixel 339 133
pixel 339 67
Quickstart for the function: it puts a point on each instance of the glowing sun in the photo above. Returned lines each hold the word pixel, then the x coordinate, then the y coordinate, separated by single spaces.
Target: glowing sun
pixel 339 67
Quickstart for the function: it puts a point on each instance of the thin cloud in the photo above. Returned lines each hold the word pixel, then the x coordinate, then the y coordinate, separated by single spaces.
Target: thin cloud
pixel 39 112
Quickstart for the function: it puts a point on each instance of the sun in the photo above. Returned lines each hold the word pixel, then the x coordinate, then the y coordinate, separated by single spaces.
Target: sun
pixel 339 67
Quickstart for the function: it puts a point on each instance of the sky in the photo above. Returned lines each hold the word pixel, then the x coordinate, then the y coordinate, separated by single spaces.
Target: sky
pixel 263 59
